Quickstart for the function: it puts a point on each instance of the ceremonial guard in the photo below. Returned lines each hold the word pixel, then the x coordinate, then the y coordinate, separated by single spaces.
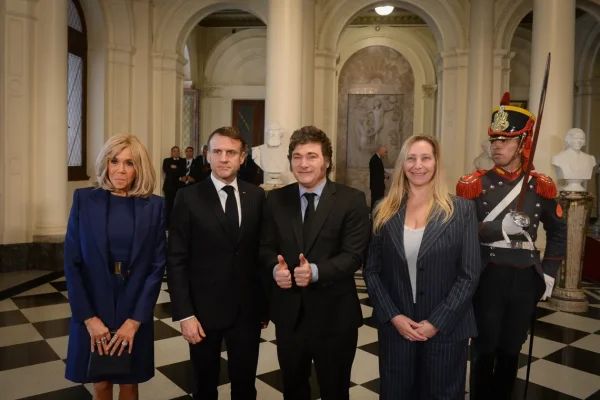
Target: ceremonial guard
pixel 515 277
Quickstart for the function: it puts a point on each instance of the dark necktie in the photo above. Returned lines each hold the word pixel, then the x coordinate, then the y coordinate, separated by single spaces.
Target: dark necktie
pixel 308 215
pixel 231 212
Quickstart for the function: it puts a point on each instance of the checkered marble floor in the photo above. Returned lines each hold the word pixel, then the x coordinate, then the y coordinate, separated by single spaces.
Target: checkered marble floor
pixel 34 321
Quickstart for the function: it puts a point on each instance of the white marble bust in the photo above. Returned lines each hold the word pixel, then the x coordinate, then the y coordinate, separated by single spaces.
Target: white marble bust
pixel 484 160
pixel 271 157
pixel 572 164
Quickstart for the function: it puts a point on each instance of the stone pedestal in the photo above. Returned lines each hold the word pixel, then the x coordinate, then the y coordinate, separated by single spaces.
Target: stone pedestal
pixel 567 294
pixel 596 227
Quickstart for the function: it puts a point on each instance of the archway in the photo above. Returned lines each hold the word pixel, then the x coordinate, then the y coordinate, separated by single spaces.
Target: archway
pixel 445 21
pixel 177 20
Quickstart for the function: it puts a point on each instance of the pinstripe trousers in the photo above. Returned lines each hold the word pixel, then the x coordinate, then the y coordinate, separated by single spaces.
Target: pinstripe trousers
pixel 431 370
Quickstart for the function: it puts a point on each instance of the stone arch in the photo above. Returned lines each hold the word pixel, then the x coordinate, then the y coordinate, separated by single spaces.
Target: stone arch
pixel 224 61
pixel 179 17
pixel 511 12
pixel 443 18
pixel 413 48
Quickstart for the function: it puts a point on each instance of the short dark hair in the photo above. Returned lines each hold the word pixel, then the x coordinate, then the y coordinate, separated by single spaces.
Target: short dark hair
pixel 174 147
pixel 189 147
pixel 230 132
pixel 311 134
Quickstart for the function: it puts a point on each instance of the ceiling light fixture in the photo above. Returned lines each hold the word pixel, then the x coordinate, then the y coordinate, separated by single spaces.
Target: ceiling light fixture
pixel 384 10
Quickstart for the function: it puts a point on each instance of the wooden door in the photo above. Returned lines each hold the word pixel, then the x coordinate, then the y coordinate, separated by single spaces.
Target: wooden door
pixel 249 117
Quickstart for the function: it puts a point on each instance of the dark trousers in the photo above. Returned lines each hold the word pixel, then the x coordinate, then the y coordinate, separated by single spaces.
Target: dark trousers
pixel 242 341
pixel 504 303
pixel 376 195
pixel 421 370
pixel 333 355
pixel 169 202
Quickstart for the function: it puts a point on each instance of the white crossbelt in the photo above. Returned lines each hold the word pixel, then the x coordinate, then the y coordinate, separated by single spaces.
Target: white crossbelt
pixel 511 245
pixel 497 210
pixel 505 202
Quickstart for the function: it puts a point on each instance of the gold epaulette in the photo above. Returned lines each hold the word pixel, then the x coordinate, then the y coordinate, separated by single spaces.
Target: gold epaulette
pixel 469 186
pixel 545 186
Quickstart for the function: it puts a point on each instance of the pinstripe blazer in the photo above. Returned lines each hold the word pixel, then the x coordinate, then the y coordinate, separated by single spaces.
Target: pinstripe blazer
pixel 448 269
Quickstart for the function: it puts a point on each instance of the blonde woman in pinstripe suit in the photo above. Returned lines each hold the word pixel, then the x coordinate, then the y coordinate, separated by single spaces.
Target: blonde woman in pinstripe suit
pixel 421 272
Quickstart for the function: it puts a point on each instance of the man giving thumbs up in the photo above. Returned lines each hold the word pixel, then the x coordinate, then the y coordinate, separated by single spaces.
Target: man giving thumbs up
pixel 321 228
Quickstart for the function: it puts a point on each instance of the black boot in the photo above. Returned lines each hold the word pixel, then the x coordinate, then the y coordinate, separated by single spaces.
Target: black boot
pixel 505 375
pixel 481 374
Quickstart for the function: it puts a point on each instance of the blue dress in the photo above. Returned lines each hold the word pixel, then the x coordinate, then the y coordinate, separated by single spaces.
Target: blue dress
pixel 120 223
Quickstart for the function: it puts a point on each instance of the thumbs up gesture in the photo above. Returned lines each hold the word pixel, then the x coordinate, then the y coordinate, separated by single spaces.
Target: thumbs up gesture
pixel 303 272
pixel 283 277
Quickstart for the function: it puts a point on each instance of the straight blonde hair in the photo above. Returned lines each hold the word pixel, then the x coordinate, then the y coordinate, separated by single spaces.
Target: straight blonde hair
pixel 441 200
pixel 145 178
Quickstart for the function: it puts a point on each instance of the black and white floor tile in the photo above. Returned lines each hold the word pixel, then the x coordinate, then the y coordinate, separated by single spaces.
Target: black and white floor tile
pixel 34 319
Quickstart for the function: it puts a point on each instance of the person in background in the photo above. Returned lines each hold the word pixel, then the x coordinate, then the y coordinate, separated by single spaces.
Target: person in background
pixel 421 273
pixel 190 164
pixel 114 260
pixel 377 175
pixel 174 169
pixel 202 168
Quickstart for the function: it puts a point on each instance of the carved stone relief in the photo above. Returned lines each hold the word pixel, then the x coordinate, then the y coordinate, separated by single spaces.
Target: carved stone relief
pixel 375 106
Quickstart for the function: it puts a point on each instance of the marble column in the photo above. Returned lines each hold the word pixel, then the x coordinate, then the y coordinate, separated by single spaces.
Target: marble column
pixel 284 64
pixel 284 69
pixel 481 67
pixel 558 109
pixel 567 294
pixel 308 63
pixel 50 178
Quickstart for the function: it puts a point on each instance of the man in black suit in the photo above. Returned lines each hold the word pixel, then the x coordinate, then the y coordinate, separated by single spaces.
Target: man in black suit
pixel 190 165
pixel 213 271
pixel 249 169
pixel 201 168
pixel 174 169
pixel 377 175
pixel 315 233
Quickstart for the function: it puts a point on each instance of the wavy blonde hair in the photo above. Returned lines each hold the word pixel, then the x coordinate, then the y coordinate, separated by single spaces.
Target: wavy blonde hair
pixel 441 200
pixel 145 178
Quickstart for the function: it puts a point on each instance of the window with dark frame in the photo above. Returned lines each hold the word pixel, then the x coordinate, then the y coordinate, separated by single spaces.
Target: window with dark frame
pixel 77 93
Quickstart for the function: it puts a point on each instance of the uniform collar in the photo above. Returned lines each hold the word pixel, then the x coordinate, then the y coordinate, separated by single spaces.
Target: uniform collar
pixel 509 176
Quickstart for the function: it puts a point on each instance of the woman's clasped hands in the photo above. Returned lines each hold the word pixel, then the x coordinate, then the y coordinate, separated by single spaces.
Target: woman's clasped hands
pixel 102 340
pixel 413 331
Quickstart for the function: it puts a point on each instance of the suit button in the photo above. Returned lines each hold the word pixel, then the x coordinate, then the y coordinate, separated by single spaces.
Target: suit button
pixel 421 293
pixel 237 254
pixel 421 269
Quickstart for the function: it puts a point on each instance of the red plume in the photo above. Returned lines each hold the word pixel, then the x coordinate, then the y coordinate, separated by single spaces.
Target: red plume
pixel 505 99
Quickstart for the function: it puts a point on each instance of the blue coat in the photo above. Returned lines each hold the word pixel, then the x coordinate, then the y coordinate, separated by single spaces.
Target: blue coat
pixel 90 284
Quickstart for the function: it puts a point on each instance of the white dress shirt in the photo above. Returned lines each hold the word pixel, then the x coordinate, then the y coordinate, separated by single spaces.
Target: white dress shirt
pixel 223 195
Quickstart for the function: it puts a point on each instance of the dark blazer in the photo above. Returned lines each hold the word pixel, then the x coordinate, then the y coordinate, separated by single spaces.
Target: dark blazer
pixel 172 175
pixel 89 282
pixel 448 269
pixel 210 275
pixel 337 244
pixel 377 176
pixel 200 171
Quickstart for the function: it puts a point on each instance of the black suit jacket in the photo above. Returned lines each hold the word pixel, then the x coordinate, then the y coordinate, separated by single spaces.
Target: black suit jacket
pixel 448 269
pixel 172 175
pixel 337 244
pixel 377 176
pixel 210 275
pixel 200 171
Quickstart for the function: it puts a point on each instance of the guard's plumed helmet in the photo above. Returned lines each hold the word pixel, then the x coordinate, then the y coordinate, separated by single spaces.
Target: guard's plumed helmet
pixel 512 122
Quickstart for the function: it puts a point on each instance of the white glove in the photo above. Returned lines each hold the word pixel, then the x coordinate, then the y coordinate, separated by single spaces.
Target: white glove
pixel 549 286
pixel 509 226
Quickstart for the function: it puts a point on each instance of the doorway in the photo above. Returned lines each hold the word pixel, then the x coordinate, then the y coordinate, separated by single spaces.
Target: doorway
pixel 249 117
